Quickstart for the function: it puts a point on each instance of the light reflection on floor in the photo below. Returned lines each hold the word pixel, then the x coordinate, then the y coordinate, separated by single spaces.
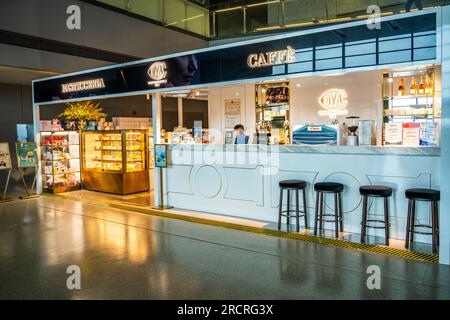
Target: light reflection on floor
pixel 125 255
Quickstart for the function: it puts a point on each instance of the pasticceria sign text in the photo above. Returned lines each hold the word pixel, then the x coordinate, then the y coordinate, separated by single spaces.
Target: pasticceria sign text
pixel 271 58
pixel 83 85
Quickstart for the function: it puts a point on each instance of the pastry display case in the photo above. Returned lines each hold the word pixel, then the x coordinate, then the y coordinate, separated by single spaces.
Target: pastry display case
pixel 60 156
pixel 115 161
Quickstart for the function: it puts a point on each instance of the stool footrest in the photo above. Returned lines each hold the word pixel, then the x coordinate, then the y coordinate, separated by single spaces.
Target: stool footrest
pixel 293 215
pixel 376 227
pixel 424 233
pixel 329 215
pixel 422 226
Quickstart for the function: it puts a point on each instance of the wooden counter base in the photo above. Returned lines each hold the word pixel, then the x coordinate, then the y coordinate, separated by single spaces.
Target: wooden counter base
pixel 117 183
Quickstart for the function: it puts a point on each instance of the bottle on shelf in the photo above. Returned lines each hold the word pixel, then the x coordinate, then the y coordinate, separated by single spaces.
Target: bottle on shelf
pixel 429 87
pixel 401 88
pixel 413 89
pixel 422 86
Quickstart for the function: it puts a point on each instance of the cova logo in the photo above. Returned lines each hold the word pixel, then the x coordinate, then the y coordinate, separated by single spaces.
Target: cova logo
pixel 334 101
pixel 158 73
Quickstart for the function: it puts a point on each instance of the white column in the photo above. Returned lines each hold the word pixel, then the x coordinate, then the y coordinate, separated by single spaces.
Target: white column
pixel 180 112
pixel 37 139
pixel 444 223
pixel 157 122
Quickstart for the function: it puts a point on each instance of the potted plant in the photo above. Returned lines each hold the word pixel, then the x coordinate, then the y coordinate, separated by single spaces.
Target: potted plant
pixel 83 111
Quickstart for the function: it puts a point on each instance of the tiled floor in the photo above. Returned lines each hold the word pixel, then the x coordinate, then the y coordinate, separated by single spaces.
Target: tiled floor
pixel 134 256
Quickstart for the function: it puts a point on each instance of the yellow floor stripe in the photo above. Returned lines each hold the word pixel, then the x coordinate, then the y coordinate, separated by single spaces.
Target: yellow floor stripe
pixel 408 254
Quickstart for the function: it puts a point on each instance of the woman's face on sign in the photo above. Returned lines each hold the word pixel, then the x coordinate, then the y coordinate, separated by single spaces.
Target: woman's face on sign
pixel 183 70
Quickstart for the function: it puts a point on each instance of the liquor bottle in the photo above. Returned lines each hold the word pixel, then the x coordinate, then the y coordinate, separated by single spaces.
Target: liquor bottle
pixel 427 85
pixel 401 88
pixel 430 85
pixel 413 88
pixel 422 86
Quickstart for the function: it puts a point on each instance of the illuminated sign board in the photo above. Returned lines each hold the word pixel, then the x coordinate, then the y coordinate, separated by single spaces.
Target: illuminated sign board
pixel 271 58
pixel 335 102
pixel 83 85
pixel 158 73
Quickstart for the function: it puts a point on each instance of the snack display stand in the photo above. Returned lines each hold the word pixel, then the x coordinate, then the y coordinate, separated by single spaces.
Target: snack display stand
pixel 60 156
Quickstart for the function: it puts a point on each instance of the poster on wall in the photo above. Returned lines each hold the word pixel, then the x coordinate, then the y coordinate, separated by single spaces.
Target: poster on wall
pixel 232 113
pixel 411 134
pixel 429 134
pixel 5 156
pixel 26 154
pixel 393 133
pixel 160 156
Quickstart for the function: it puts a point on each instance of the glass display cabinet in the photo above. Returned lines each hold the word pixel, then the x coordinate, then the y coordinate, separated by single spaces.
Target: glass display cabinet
pixel 115 161
pixel 272 111
pixel 60 156
pixel 409 103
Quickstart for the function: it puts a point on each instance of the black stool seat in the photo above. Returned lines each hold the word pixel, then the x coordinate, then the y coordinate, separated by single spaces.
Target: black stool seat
pixel 375 191
pixel 431 196
pixel 293 184
pixel 423 194
pixel 322 189
pixel 329 187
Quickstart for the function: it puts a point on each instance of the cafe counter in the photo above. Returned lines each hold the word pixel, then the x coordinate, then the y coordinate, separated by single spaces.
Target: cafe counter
pixel 242 180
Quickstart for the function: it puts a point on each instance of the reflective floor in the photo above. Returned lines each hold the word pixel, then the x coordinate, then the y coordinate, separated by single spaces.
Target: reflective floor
pixel 125 255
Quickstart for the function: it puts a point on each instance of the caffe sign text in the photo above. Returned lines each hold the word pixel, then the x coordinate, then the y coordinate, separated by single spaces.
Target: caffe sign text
pixel 271 58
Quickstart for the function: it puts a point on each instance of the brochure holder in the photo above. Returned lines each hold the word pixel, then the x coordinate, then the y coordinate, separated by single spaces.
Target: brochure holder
pixel 161 163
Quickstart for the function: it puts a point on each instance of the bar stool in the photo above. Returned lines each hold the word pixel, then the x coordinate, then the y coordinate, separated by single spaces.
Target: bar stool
pixel 292 185
pixel 428 195
pixel 374 191
pixel 322 188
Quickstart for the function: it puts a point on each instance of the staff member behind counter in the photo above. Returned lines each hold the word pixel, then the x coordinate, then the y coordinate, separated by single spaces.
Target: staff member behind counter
pixel 241 138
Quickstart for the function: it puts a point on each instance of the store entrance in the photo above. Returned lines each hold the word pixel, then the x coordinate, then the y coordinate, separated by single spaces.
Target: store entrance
pixel 99 151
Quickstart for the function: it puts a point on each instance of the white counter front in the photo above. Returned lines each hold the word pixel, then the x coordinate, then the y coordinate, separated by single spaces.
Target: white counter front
pixel 242 181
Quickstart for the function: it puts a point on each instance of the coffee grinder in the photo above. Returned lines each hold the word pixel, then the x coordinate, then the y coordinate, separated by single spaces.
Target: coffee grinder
pixel 352 126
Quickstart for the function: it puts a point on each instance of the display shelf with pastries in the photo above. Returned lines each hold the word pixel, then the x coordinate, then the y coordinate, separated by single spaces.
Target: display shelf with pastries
pixel 115 161
pixel 60 155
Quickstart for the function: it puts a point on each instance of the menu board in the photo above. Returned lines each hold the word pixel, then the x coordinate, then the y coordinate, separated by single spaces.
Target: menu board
pixel 26 154
pixel 160 155
pixel 5 156
pixel 232 113
pixel 393 133
pixel 411 134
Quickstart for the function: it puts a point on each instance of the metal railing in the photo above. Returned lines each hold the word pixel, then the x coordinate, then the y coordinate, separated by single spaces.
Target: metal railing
pixel 249 17
pixel 180 14
pixel 273 15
